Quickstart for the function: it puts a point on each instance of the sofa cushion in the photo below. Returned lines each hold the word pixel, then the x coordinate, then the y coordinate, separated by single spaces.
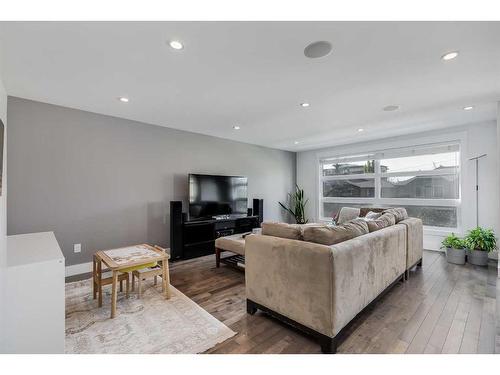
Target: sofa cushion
pixel 347 214
pixel 399 213
pixel 330 235
pixel 282 230
pixel 385 220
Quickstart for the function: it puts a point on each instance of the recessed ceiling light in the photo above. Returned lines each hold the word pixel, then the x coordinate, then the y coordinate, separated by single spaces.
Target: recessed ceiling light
pixel 123 99
pixel 175 44
pixel 236 127
pixel 391 108
pixel 449 55
pixel 304 105
pixel 360 130
pixel 296 142
pixel 318 49
pixel 468 108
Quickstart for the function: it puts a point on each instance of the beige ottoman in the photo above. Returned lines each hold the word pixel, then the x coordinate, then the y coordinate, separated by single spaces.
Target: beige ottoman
pixel 234 243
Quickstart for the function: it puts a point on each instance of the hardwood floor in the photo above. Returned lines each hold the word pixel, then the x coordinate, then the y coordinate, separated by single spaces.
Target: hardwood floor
pixel 442 308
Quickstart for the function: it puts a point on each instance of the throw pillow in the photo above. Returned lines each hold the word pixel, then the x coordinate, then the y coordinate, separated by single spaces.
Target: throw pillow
pixel 373 215
pixel 399 212
pixel 385 220
pixel 347 214
pixel 364 210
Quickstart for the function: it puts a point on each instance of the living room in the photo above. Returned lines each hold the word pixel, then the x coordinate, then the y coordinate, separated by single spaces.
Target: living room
pixel 249 186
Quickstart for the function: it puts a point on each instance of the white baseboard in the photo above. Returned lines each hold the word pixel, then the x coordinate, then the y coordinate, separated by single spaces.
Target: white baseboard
pixel 78 269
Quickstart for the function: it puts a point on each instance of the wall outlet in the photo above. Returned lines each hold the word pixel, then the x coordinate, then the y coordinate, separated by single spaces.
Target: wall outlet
pixel 77 247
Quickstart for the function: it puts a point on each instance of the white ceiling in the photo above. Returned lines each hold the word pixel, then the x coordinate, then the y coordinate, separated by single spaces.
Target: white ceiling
pixel 255 74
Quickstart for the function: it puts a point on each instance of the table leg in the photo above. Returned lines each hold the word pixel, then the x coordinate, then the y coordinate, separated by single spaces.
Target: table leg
pixel 127 285
pixel 114 293
pixel 94 276
pixel 99 284
pixel 139 286
pixel 217 257
pixel 165 278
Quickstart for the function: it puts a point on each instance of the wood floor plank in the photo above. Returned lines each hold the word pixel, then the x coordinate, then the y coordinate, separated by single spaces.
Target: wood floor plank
pixel 422 336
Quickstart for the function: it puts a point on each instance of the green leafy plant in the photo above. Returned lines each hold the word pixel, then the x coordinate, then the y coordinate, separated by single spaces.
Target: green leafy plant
pixel 452 241
pixel 296 205
pixel 481 239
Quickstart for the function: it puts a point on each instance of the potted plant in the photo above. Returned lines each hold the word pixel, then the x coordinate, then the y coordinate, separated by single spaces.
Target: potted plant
pixel 455 249
pixel 480 242
pixel 296 205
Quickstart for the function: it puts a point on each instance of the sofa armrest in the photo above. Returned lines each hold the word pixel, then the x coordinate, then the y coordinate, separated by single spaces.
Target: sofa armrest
pixel 292 278
pixel 414 240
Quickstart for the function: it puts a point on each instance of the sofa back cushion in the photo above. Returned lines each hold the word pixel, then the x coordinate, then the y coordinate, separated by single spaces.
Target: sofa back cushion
pixel 398 212
pixel 386 220
pixel 282 230
pixel 330 235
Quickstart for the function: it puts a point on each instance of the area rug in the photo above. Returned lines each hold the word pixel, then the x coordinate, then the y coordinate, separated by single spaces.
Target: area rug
pixel 151 324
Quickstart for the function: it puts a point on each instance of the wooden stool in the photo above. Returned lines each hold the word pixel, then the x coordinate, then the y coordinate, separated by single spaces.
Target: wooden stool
pixel 144 273
pixel 102 278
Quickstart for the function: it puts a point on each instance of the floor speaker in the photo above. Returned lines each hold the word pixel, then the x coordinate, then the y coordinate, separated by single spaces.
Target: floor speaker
pixel 176 219
pixel 258 209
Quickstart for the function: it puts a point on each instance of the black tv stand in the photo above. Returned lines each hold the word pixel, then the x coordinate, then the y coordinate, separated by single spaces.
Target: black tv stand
pixel 195 238
pixel 199 235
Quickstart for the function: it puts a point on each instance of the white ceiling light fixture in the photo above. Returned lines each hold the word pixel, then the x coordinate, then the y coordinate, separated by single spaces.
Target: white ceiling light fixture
pixel 236 127
pixel 175 44
pixel 468 108
pixel 318 49
pixel 123 99
pixel 361 130
pixel 304 105
pixel 449 55
pixel 296 142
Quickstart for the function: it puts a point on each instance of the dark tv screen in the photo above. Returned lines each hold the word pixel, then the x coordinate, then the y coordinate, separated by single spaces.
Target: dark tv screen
pixel 217 195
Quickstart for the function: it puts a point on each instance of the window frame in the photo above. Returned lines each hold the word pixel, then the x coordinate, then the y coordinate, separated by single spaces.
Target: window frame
pixel 378 175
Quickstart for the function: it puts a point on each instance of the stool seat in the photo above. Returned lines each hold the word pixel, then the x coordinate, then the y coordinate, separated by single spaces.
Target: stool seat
pixel 234 243
pixel 147 270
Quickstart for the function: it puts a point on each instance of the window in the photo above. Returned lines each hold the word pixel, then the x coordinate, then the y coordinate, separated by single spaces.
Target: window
pixel 424 179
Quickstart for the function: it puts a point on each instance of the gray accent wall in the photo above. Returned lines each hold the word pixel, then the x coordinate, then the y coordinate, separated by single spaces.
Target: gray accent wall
pixel 107 182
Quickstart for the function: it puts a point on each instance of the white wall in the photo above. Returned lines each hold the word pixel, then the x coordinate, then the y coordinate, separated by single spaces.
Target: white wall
pixel 3 211
pixel 497 208
pixel 476 139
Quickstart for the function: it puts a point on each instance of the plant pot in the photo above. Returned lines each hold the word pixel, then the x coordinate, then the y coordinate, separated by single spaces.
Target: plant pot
pixel 477 257
pixel 455 256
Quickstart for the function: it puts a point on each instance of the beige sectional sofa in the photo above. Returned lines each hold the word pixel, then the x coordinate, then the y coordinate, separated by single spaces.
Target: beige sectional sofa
pixel 321 288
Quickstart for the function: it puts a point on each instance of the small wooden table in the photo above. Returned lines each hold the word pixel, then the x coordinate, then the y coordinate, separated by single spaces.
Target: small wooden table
pixel 131 256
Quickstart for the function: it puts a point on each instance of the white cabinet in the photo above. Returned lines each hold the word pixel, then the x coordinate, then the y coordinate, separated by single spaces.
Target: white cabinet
pixel 35 303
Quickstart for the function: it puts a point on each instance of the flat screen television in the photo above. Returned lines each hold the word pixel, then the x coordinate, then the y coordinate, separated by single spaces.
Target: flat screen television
pixel 211 195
